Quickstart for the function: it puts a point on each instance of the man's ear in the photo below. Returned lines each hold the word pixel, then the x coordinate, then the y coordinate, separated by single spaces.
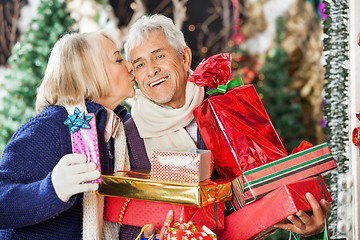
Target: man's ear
pixel 186 58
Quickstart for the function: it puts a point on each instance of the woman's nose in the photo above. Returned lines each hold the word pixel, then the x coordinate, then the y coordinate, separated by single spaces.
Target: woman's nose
pixel 130 67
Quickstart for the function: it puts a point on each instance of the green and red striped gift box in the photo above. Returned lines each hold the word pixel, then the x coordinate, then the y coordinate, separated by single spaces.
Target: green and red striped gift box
pixel 256 220
pixel 259 181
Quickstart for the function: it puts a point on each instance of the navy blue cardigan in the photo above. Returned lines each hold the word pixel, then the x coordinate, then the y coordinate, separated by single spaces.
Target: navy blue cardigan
pixel 29 206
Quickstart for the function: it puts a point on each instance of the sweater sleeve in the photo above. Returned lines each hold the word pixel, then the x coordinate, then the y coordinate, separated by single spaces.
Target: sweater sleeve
pixel 27 195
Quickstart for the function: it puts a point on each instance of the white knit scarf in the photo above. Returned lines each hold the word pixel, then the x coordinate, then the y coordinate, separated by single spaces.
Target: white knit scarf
pixel 164 127
pixel 93 204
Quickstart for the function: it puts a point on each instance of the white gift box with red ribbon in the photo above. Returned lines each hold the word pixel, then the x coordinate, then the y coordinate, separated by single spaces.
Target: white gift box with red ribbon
pixel 181 166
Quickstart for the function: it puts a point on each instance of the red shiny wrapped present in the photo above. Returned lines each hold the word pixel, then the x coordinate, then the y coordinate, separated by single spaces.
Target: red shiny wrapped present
pixel 234 125
pixel 139 213
pixel 255 220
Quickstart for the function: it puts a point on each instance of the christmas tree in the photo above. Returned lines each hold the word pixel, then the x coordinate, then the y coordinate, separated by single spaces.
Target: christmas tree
pixel 27 65
pixel 280 101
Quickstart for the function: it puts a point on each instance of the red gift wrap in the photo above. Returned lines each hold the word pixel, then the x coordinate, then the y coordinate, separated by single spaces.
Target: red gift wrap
pixel 192 232
pixel 256 219
pixel 234 125
pixel 139 213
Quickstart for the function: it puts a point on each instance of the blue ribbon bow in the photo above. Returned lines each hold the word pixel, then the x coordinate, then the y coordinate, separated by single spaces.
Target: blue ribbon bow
pixel 78 120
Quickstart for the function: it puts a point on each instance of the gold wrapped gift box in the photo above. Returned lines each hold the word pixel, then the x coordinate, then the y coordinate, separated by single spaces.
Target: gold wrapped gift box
pixel 136 184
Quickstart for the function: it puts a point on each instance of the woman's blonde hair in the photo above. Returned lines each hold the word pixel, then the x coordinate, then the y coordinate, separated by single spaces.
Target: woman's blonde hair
pixel 75 71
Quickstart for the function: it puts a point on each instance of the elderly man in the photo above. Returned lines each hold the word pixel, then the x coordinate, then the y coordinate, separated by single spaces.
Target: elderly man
pixel 162 111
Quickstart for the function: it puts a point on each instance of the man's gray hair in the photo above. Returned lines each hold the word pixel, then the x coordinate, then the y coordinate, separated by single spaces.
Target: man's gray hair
pixel 146 24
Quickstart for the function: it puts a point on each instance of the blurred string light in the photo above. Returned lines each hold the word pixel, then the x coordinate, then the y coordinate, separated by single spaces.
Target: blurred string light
pixel 345 201
pixel 191 28
pixel 133 5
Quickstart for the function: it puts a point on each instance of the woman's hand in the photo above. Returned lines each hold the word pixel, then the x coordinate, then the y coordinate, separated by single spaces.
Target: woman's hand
pixel 70 173
pixel 304 224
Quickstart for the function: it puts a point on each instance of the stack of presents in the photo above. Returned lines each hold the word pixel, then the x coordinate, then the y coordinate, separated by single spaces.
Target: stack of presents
pixel 259 182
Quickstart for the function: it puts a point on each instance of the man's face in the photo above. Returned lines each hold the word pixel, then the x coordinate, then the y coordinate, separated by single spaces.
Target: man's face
pixel 159 72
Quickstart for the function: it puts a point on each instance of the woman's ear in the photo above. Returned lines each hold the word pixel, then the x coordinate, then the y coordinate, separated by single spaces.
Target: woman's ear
pixel 186 58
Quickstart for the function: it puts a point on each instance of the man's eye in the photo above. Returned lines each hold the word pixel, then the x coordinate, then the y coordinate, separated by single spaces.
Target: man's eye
pixel 119 60
pixel 159 56
pixel 139 65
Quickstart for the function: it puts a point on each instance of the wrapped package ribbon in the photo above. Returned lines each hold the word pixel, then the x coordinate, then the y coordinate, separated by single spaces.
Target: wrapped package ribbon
pixel 213 71
pixel 234 123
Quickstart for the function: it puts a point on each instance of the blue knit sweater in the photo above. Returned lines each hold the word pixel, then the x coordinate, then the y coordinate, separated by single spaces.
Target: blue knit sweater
pixel 29 206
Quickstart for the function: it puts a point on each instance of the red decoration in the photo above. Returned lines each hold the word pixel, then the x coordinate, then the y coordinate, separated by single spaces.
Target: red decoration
pixel 244 65
pixel 356 131
pixel 355 136
pixel 358 39
pixel 237 37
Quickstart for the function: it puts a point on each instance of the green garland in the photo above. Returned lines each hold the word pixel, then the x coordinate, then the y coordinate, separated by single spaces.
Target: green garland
pixel 336 97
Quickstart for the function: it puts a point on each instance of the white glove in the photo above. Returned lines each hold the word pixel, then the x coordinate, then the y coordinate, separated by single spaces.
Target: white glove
pixel 70 173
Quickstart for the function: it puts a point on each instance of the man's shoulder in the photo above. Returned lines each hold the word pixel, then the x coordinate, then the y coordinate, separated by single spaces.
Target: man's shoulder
pixel 131 130
pixel 129 124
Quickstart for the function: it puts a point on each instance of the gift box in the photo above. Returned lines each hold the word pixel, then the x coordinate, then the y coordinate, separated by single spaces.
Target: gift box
pixel 259 181
pixel 191 232
pixel 256 219
pixel 234 123
pixel 138 213
pixel 181 166
pixel 84 138
pixel 238 199
pixel 137 184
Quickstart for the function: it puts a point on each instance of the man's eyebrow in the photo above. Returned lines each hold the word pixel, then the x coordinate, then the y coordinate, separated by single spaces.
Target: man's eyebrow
pixel 152 52
pixel 157 50
pixel 136 60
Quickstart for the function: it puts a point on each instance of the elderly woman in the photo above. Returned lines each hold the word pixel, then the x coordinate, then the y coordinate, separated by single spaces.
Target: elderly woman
pixel 42 194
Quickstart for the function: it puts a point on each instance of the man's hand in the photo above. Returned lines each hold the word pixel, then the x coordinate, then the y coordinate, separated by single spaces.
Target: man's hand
pixel 304 224
pixel 70 173
pixel 150 230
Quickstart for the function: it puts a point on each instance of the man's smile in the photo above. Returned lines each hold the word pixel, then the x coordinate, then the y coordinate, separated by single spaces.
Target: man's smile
pixel 158 82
